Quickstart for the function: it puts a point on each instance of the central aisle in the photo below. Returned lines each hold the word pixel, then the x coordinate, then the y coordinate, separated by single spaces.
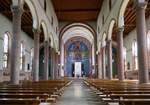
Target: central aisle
pixel 78 94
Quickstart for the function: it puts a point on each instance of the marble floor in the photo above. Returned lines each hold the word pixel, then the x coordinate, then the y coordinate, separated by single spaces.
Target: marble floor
pixel 78 94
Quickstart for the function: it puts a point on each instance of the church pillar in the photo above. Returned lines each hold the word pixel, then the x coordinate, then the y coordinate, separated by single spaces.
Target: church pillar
pixel 35 66
pixel 15 44
pixel 141 41
pixel 99 65
pixel 109 46
pixel 52 63
pixel 96 64
pixel 46 60
pixel 103 64
pixel 57 66
pixel 120 54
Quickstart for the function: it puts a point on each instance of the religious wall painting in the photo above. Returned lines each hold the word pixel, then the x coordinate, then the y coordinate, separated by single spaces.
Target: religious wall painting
pixel 77 51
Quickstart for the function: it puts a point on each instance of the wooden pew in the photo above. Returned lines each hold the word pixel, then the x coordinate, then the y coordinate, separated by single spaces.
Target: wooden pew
pixel 13 101
pixel 35 96
pixel 121 92
pixel 31 93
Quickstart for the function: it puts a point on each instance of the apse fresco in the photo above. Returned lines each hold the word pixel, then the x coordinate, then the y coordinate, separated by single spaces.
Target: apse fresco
pixel 77 52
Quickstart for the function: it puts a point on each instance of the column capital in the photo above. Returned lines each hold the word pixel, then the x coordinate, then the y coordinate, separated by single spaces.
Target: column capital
pixel 109 41
pixel 141 5
pixel 17 9
pixel 121 29
pixel 46 43
pixel 36 30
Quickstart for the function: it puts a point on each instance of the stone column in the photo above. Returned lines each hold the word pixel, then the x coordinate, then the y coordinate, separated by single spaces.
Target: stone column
pixel 58 63
pixel 96 65
pixel 103 64
pixel 52 64
pixel 109 46
pixel 35 64
pixel 57 66
pixel 120 54
pixel 15 44
pixel 141 41
pixel 46 60
pixel 99 65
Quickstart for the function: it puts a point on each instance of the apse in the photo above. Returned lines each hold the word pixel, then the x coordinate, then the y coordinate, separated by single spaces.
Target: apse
pixel 77 51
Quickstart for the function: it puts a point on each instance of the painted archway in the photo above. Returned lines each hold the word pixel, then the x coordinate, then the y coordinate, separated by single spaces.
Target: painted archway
pixel 80 32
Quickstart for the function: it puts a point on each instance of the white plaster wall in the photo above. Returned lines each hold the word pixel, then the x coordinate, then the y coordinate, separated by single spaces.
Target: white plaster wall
pixel 51 13
pixel 128 45
pixel 6 25
pixel 43 18
pixel 37 9
pixel 108 16
pixel 129 40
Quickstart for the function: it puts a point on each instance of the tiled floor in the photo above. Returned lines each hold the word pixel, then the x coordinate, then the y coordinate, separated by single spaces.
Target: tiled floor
pixel 78 94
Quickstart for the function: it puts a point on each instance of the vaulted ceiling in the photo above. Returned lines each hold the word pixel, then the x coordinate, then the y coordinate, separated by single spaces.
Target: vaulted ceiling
pixel 77 10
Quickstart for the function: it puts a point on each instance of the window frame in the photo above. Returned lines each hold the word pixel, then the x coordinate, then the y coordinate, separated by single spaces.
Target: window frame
pixel 135 55
pixel 6 53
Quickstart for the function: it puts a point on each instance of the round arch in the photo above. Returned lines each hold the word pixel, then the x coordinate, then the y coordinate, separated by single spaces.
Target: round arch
pixel 103 42
pixel 33 13
pixel 77 29
pixel 68 26
pixel 44 26
pixel 104 37
pixel 122 10
pixel 110 29
pixel 51 39
pixel 84 40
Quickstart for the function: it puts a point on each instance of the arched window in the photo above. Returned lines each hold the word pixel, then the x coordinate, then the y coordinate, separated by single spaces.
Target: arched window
pixel 6 46
pixel 148 47
pixel 135 55
pixel 148 40
pixel 21 56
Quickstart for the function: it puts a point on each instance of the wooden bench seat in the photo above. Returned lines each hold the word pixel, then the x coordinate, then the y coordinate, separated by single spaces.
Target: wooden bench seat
pixel 121 92
pixel 16 101
pixel 128 101
pixel 129 96
pixel 124 92
pixel 32 93
pixel 36 96
pixel 27 91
